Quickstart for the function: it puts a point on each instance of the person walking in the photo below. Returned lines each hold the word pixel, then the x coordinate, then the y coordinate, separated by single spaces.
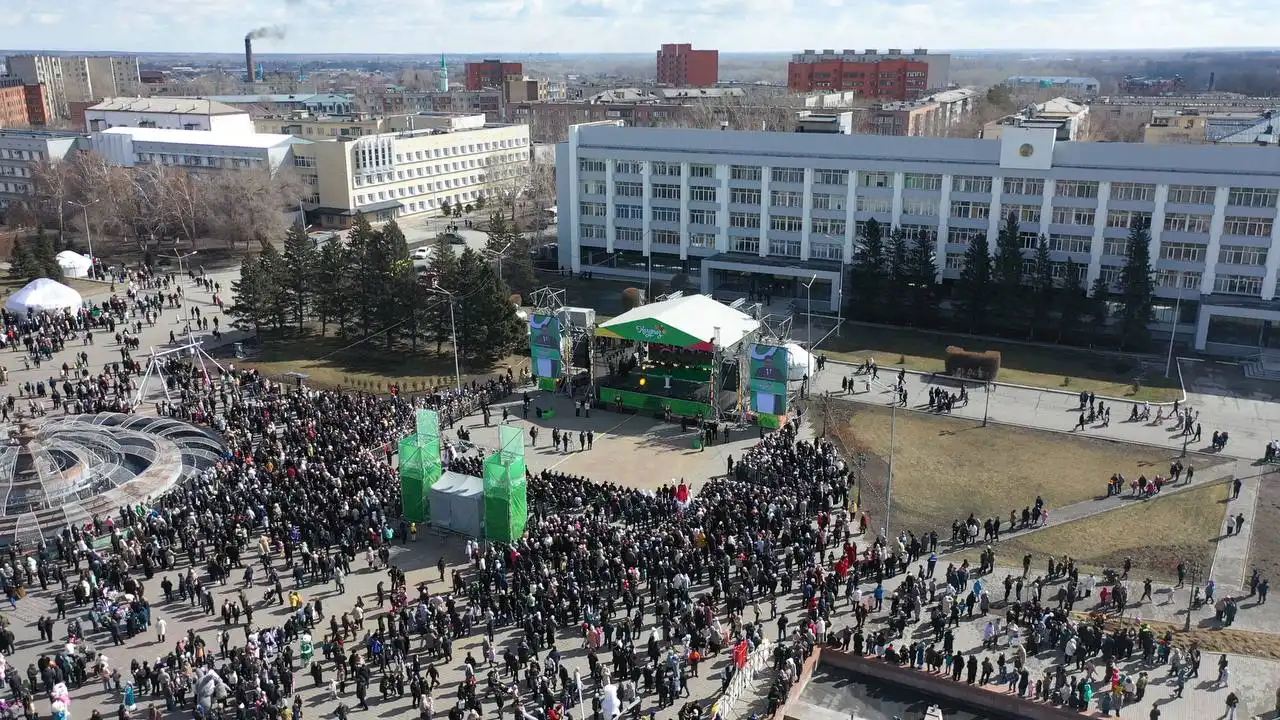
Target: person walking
pixel 1232 701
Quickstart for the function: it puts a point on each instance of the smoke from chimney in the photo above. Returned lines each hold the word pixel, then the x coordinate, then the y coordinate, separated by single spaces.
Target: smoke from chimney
pixel 276 32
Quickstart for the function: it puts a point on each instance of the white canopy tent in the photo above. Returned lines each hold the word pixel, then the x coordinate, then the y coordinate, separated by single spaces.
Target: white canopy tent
pixel 800 362
pixel 686 321
pixel 43 294
pixel 74 264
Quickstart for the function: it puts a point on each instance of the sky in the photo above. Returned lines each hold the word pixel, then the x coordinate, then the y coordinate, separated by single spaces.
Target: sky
pixel 591 26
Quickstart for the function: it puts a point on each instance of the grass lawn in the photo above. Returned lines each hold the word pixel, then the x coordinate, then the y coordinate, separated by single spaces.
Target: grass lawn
pixel 330 364
pixel 1264 545
pixel 1156 534
pixel 1058 368
pixel 945 468
pixel 1213 639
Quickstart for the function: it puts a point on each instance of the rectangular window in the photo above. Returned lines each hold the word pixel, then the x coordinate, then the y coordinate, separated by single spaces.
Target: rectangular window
pixel 699 193
pixel 1141 192
pixel 1237 285
pixel 663 214
pixel 664 169
pixel 702 240
pixel 964 236
pixel 702 217
pixel 921 181
pixel 1128 218
pixel 744 196
pixel 593 187
pixel 1024 213
pixel 913 233
pixel 665 237
pixel 827 226
pixel 702 171
pixel 1252 197
pixel 784 248
pixel 1242 255
pixel 788 175
pixel 826 251
pixel 744 220
pixel 1247 226
pixel 589 165
pixel 628 189
pixel 745 245
pixel 1181 252
pixel 1029 240
pixel 955 261
pixel 920 207
pixel 968 209
pixel 628 212
pixel 1189 280
pixel 1115 246
pixel 1110 275
pixel 744 172
pixel 786 223
pixel 874 204
pixel 1070 243
pixel 823 201
pixel 831 177
pixel 591 232
pixel 591 209
pixel 628 167
pixel 666 192
pixel 786 198
pixel 1191 194
pixel 1023 186
pixel 1076 188
pixel 875 179
pixel 971 184
pixel 1072 216
pixel 627 234
pixel 1186 222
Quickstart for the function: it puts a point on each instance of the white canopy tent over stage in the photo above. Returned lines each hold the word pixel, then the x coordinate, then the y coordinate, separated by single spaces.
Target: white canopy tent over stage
pixel 688 321
pixel 43 294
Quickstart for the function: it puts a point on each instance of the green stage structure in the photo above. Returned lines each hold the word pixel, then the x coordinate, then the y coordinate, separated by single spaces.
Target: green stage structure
pixel 420 466
pixel 506 499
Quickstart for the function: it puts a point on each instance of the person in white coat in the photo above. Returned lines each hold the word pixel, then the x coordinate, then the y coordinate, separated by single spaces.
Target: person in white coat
pixel 161 626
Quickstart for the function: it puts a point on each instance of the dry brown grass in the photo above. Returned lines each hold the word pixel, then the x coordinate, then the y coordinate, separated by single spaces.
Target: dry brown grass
pixel 945 468
pixel 1156 534
pixel 1224 640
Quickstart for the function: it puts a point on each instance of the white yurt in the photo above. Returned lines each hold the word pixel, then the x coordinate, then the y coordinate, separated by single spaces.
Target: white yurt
pixel 43 294
pixel 73 264
pixel 799 362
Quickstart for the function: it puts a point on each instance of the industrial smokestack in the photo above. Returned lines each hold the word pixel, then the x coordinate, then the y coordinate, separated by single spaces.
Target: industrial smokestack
pixel 248 57
pixel 1211 79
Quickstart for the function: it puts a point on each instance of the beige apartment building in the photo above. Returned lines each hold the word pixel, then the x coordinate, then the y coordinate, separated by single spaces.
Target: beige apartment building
pixel 413 172
pixel 76 79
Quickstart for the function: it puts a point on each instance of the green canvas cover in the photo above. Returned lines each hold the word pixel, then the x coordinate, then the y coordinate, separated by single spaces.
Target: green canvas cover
pixel 506 509
pixel 413 489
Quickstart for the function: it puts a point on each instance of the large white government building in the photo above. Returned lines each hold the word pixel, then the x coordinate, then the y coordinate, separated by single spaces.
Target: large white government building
pixel 765 212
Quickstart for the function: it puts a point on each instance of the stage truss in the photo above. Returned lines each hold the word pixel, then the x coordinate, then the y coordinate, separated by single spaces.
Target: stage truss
pixel 191 347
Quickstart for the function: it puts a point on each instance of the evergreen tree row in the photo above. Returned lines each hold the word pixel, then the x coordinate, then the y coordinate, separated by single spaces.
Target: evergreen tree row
pixel 369 289
pixel 893 281
pixel 30 260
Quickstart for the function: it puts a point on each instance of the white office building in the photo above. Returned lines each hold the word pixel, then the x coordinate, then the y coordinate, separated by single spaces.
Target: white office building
pixel 20 152
pixel 167 112
pixel 766 212
pixel 193 150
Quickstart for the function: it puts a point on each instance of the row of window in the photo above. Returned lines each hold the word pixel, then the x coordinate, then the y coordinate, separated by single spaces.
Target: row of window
pixel 372 178
pixel 1088 189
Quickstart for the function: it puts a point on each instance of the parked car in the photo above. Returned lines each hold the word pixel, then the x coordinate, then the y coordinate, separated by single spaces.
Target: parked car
pixel 454 238
pixel 423 253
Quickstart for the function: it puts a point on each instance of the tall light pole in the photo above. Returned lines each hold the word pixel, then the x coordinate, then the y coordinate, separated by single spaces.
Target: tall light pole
pixel 888 486
pixel 808 292
pixel 182 256
pixel 986 409
pixel 497 255
pixel 88 235
pixel 1193 574
pixel 1173 326
pixel 453 325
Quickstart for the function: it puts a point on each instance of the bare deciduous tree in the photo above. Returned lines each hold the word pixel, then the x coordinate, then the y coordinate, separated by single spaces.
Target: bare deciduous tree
pixel 247 205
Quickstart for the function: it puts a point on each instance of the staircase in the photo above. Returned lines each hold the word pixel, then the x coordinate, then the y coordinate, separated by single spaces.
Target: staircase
pixel 1263 366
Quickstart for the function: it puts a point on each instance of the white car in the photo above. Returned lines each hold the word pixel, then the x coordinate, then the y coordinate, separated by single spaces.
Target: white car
pixel 423 253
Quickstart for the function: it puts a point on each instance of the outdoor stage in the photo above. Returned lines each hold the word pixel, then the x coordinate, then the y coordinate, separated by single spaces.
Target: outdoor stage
pixel 687 358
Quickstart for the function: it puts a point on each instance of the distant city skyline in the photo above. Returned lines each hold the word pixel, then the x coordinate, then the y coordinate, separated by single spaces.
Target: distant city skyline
pixel 631 26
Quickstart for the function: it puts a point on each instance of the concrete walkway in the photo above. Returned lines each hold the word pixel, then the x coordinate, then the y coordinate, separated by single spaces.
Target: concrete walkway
pixel 1231 559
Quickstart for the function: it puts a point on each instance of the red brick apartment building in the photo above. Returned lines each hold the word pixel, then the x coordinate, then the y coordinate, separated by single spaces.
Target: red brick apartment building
pixel 880 76
pixel 682 66
pixel 491 73
pixel 13 107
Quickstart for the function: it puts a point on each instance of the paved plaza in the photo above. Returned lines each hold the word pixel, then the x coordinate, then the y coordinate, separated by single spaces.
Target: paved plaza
pixel 643 452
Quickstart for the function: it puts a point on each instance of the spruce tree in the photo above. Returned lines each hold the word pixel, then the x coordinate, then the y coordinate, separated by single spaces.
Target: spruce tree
pixel 46 258
pixel 1137 291
pixel 443 272
pixel 275 299
pixel 897 295
pixel 869 273
pixel 516 262
pixel 332 300
pixel 22 263
pixel 973 291
pixel 1042 290
pixel 248 297
pixel 299 265
pixel 487 324
pixel 1072 302
pixel 1098 309
pixel 361 244
pixel 392 262
pixel 1006 274
pixel 922 276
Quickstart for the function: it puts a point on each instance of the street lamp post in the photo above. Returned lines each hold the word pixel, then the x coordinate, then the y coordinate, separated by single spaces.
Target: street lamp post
pixel 1193 574
pixel 182 256
pixel 453 325
pixel 498 255
pixel 986 409
pixel 808 292
pixel 88 234
pixel 1173 326
pixel 888 486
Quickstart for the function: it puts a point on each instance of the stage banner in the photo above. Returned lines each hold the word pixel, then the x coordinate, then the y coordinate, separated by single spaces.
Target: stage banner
pixel 545 346
pixel 428 422
pixel 768 382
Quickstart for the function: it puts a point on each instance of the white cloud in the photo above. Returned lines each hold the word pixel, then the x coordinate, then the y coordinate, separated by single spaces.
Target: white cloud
pixel 493 26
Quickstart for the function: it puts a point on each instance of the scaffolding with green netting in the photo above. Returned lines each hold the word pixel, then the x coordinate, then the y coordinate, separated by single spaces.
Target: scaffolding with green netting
pixel 506 498
pixel 420 466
